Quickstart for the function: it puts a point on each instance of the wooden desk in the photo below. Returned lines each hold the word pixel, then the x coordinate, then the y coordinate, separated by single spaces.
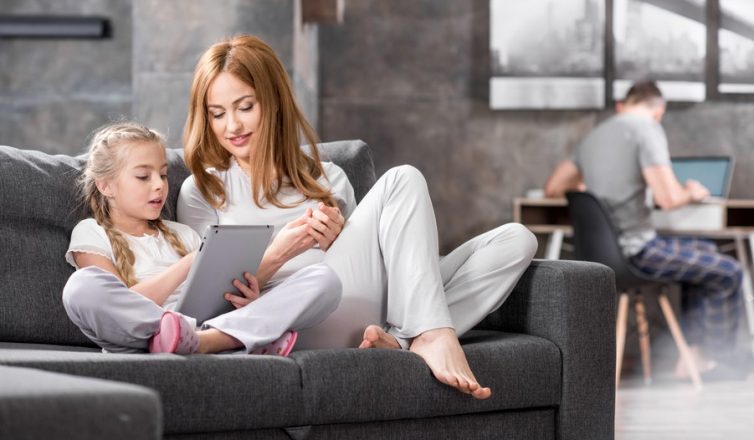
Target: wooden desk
pixel 548 213
pixel 550 217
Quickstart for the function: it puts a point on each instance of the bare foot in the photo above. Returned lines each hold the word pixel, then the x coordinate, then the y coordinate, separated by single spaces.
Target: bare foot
pixel 703 364
pixel 215 341
pixel 443 354
pixel 376 337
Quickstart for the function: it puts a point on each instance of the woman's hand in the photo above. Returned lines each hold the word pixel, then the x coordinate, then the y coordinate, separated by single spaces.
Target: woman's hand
pixel 292 240
pixel 250 291
pixel 326 223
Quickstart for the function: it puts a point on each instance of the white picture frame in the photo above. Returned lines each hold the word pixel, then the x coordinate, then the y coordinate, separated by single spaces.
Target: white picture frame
pixel 736 47
pixel 547 54
pixel 664 41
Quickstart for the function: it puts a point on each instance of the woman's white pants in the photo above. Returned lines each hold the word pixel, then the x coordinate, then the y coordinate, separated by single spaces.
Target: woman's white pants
pixel 387 259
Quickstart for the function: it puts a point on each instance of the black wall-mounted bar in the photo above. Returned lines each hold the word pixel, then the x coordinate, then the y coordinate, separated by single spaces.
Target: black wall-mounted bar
pixel 52 26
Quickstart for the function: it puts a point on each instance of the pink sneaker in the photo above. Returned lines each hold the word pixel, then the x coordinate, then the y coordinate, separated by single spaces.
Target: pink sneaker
pixel 282 346
pixel 175 335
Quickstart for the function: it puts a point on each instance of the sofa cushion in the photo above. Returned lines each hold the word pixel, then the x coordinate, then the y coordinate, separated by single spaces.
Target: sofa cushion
pixel 347 386
pixel 315 387
pixel 42 405
pixel 39 208
pixel 532 424
pixel 356 160
pixel 199 393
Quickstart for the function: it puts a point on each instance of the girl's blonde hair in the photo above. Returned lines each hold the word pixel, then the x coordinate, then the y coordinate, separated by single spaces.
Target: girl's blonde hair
pixel 277 153
pixel 108 153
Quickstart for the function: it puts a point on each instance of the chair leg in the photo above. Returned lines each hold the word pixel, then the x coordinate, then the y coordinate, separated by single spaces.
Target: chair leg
pixel 643 327
pixel 620 334
pixel 680 341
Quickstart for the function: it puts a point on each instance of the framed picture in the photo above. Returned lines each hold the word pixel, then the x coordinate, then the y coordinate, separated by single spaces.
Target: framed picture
pixel 735 38
pixel 547 54
pixel 662 40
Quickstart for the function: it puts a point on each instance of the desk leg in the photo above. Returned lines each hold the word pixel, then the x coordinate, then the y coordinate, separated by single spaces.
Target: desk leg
pixel 554 243
pixel 748 290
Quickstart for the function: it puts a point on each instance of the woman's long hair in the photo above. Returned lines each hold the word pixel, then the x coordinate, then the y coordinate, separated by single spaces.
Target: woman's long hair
pixel 108 152
pixel 277 153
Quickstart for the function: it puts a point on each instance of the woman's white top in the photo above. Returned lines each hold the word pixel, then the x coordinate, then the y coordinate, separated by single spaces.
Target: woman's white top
pixel 240 209
pixel 152 253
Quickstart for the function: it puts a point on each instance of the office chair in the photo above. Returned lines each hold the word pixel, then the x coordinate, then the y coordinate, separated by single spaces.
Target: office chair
pixel 595 238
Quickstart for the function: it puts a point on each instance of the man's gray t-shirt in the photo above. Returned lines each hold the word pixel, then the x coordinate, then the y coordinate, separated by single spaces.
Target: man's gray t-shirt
pixel 611 159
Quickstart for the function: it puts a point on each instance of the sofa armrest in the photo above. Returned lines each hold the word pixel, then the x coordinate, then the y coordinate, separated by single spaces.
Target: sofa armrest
pixel 37 404
pixel 572 304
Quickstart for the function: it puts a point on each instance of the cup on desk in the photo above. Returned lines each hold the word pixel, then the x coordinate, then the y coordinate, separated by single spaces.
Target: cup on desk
pixel 535 193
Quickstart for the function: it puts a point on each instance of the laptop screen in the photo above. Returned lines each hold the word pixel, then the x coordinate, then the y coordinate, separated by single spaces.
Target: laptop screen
pixel 714 172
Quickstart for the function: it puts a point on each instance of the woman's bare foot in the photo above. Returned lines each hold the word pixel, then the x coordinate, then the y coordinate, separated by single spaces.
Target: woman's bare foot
pixel 214 341
pixel 376 337
pixel 443 354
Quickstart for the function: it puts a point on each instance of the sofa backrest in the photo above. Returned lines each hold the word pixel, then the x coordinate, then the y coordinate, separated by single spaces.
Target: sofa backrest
pixel 39 207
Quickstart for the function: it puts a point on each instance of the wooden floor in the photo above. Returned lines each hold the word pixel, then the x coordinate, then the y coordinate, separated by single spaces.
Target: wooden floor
pixel 672 410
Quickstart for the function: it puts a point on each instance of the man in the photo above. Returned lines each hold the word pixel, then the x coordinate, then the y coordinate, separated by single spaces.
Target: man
pixel 618 161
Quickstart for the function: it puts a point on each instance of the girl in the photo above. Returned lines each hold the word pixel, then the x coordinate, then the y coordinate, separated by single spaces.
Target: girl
pixel 132 265
pixel 241 143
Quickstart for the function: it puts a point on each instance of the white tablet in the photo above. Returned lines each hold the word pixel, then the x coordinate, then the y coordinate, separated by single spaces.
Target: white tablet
pixel 226 252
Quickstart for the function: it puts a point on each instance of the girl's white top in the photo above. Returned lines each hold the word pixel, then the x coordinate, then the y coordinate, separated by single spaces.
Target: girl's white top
pixel 240 209
pixel 152 253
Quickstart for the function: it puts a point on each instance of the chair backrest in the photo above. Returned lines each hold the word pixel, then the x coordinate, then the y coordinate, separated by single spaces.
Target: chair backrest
pixel 595 238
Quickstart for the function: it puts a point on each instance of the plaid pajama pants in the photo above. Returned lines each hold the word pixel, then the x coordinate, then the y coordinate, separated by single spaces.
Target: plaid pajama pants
pixel 710 288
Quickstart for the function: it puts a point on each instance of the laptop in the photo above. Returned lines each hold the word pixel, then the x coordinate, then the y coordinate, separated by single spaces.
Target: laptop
pixel 226 252
pixel 714 172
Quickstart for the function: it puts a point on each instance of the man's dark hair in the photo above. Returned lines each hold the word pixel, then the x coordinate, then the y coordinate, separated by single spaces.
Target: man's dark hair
pixel 644 92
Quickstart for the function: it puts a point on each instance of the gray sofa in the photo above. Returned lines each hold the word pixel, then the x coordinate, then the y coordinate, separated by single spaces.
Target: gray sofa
pixel 548 352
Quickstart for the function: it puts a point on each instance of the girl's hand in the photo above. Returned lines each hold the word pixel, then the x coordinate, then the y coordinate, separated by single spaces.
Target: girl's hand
pixel 250 291
pixel 292 240
pixel 326 223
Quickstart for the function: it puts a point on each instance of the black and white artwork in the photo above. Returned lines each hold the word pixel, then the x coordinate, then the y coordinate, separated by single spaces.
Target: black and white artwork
pixel 736 43
pixel 547 54
pixel 661 40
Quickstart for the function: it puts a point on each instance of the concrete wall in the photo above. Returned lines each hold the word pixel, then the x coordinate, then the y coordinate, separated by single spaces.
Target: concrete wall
pixel 166 50
pixel 53 93
pixel 410 78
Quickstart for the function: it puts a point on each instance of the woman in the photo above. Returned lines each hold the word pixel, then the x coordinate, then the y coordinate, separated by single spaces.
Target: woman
pixel 241 142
